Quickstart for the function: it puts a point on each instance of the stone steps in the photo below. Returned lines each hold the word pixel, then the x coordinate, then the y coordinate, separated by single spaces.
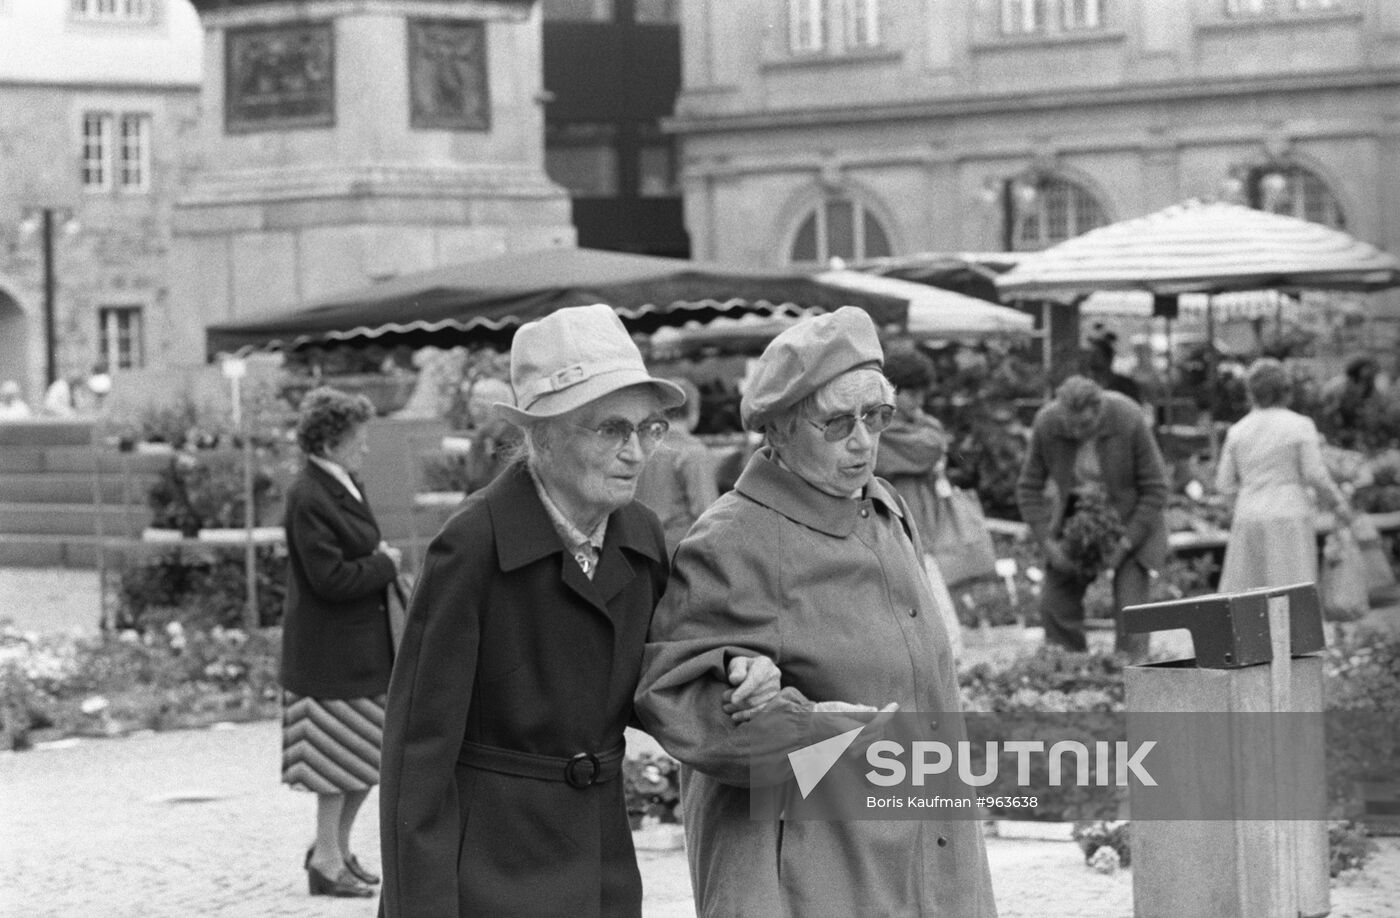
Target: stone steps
pixel 49 473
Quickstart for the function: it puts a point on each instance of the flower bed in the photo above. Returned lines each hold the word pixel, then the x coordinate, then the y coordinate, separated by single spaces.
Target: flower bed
pixel 159 679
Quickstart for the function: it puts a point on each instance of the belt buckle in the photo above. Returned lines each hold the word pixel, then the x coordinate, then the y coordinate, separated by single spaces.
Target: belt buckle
pixel 572 770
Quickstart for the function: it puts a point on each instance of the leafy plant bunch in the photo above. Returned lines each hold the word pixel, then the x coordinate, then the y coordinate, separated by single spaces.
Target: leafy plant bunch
pixel 1091 533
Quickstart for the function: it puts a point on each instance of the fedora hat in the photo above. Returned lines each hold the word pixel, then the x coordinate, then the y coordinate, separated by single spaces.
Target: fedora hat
pixel 574 356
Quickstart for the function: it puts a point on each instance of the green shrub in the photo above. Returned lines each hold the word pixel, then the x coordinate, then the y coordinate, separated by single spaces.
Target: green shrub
pixel 203 588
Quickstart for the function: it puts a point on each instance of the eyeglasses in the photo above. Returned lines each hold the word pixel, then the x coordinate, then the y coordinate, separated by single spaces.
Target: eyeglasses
pixel 616 434
pixel 843 425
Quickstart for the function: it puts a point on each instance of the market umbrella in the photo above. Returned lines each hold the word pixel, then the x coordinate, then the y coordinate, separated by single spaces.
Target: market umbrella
pixel 933 313
pixel 485 301
pixel 1202 247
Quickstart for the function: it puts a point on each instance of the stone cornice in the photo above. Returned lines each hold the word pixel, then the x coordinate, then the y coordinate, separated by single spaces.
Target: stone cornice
pixel 1019 103
pixel 255 12
pixel 304 183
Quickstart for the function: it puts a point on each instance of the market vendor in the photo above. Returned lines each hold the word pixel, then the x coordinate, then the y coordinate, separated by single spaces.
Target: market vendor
pixel 1098 452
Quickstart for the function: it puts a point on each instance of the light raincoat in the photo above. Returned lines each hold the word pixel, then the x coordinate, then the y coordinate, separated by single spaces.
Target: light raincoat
pixel 834 591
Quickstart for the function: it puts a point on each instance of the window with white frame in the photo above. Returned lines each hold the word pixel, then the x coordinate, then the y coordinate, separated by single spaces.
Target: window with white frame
pixel 1023 17
pixel 1038 17
pixel 116 151
pixel 807 26
pixel 1082 14
pixel 832 26
pixel 862 23
pixel 839 227
pixel 113 10
pixel 97 151
pixel 1051 210
pixel 134 152
pixel 120 337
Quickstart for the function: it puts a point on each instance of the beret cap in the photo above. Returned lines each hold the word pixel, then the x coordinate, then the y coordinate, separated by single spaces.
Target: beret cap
pixel 805 357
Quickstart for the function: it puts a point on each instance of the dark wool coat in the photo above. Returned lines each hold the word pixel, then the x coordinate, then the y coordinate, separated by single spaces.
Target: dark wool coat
pixel 508 644
pixel 1133 475
pixel 335 627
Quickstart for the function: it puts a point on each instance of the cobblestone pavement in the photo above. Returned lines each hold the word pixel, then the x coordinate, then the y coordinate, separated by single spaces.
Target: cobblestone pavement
pixel 195 823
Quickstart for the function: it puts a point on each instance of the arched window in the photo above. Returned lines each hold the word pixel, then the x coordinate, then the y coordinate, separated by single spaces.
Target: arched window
pixel 1051 210
pixel 1294 192
pixel 839 228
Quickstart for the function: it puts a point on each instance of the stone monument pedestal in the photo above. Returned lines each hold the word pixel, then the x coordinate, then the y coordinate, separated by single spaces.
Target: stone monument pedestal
pixel 348 141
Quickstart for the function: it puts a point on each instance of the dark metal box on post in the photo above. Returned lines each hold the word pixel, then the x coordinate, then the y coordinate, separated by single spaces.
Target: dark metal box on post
pixel 1242 833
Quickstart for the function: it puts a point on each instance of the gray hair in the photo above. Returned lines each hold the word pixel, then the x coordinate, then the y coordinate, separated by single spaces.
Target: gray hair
pixel 1077 393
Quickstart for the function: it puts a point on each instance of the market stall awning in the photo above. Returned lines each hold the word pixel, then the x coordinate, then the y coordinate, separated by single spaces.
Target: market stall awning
pixel 485 301
pixel 972 273
pixel 935 312
pixel 932 314
pixel 1202 247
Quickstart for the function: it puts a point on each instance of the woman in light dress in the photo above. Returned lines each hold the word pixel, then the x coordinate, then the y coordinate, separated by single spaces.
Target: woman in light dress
pixel 1271 466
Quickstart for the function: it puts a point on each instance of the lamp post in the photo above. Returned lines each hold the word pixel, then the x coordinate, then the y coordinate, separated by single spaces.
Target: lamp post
pixel 45 220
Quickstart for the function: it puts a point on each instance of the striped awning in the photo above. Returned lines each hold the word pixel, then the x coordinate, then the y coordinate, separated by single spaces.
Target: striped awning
pixel 1198 247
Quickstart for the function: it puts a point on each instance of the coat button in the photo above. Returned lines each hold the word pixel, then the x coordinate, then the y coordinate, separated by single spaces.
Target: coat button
pixel 942 842
pixel 864 513
pixel 913 612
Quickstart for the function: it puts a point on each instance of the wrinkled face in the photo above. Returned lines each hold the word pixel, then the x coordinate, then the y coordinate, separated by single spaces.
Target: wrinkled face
pixel 350 452
pixel 591 474
pixel 1083 420
pixel 844 467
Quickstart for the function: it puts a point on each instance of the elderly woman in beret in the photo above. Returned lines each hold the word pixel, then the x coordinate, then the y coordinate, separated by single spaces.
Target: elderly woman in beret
pixel 336 646
pixel 812 562
pixel 514 683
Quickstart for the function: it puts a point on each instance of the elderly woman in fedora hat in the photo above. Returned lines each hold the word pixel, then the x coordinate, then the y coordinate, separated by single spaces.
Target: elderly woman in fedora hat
pixel 514 682
pixel 813 562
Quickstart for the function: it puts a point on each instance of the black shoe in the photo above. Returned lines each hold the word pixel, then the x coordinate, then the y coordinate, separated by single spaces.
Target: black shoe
pixel 344 886
pixel 353 865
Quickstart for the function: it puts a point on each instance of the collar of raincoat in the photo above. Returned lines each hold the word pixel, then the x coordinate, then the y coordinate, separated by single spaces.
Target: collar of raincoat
pixel 768 483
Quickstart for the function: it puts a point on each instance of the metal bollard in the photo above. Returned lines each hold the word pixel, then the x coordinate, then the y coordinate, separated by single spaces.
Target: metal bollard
pixel 1255 656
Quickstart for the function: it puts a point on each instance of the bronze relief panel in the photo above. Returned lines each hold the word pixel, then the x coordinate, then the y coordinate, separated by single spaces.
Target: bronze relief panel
pixel 447 75
pixel 279 77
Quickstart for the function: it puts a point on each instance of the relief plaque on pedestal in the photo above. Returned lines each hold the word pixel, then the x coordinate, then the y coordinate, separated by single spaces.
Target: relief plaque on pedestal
pixel 279 77
pixel 447 75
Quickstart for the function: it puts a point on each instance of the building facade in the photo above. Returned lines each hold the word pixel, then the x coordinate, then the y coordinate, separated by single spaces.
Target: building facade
pixel 612 71
pixel 98 116
pixel 814 129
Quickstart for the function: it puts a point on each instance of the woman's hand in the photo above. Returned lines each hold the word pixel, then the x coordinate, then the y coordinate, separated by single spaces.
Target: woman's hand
pixel 756 680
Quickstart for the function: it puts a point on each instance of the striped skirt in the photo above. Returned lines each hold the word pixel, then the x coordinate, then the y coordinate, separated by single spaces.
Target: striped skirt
pixel 331 745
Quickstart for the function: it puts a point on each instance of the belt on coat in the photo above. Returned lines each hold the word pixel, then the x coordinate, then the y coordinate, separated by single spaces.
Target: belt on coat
pixel 582 770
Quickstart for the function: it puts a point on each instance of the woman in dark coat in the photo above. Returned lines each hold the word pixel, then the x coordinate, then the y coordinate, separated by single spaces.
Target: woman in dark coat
pixel 336 646
pixel 504 734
